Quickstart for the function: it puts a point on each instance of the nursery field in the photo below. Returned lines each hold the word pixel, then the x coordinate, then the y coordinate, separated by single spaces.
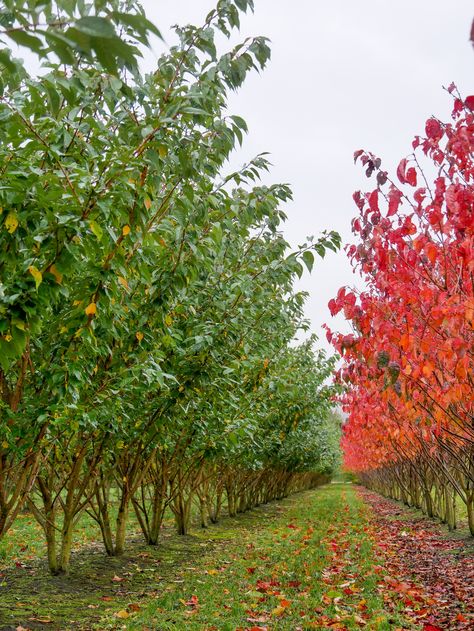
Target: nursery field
pixel 338 557
pixel 170 419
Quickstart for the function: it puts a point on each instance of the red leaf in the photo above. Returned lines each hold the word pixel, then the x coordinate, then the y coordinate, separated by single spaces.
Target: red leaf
pixel 401 170
pixel 394 197
pixel 374 201
pixel 419 195
pixel 410 176
pixel 458 106
pixel 333 308
pixel 357 154
pixel 433 129
pixel 469 102
pixel 193 601
pixel 359 200
pixel 294 583
pixel 431 627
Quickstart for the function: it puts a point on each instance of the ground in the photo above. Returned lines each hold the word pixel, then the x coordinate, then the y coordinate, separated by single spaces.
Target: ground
pixel 339 557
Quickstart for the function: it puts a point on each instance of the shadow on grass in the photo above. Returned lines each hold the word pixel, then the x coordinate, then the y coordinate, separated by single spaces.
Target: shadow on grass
pixel 99 585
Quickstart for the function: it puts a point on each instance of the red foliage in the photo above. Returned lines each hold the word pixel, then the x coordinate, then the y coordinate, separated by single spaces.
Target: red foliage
pixel 408 366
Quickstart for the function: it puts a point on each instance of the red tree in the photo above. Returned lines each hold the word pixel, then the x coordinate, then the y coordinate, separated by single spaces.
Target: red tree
pixel 408 366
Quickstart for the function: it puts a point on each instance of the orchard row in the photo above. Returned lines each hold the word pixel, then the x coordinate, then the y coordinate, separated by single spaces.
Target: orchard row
pixel 408 366
pixel 147 305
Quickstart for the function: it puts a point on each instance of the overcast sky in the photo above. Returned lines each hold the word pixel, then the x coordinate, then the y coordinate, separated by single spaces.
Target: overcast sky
pixel 344 75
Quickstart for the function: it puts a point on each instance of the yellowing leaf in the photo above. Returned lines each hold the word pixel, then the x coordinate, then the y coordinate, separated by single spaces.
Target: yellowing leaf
pixel 11 222
pixel 278 611
pixel 91 309
pixel 126 230
pixel 123 282
pixel 168 320
pixel 57 275
pixel 5 445
pixel 147 203
pixel 122 614
pixel 163 151
pixel 139 336
pixel 37 275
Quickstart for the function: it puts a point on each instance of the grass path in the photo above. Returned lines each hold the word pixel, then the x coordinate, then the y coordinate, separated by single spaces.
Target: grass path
pixel 311 566
pixel 324 559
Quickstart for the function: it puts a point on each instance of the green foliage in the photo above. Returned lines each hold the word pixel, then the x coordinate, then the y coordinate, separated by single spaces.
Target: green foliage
pixel 146 298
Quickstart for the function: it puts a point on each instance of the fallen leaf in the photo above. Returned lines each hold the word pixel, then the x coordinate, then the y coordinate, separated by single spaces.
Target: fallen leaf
pixel 192 602
pixel 122 614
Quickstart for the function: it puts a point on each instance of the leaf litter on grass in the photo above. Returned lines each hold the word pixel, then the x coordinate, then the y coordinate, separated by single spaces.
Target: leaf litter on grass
pixel 431 570
pixel 319 560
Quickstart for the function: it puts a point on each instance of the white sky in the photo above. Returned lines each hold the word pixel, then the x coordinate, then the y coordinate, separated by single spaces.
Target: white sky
pixel 344 75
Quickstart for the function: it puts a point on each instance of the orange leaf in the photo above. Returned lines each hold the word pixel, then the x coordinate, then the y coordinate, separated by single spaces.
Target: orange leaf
pixel 431 252
pixel 91 309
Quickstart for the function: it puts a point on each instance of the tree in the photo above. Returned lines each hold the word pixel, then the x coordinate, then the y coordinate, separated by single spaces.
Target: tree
pixel 145 293
pixel 408 365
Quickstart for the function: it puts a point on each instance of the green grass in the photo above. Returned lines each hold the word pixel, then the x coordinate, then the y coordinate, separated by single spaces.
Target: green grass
pixel 310 565
pixel 307 562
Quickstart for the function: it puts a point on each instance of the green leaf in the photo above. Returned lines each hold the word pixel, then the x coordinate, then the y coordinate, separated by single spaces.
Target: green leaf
pixel 60 45
pixel 6 61
pixel 308 258
pixel 138 22
pixel 25 39
pixel 96 27
pixel 96 229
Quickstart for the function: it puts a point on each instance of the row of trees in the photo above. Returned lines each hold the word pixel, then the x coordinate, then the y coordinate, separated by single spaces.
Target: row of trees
pixel 147 309
pixel 408 365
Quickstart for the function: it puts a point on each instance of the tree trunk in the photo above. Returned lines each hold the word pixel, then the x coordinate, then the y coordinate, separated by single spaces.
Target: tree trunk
pixel 121 531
